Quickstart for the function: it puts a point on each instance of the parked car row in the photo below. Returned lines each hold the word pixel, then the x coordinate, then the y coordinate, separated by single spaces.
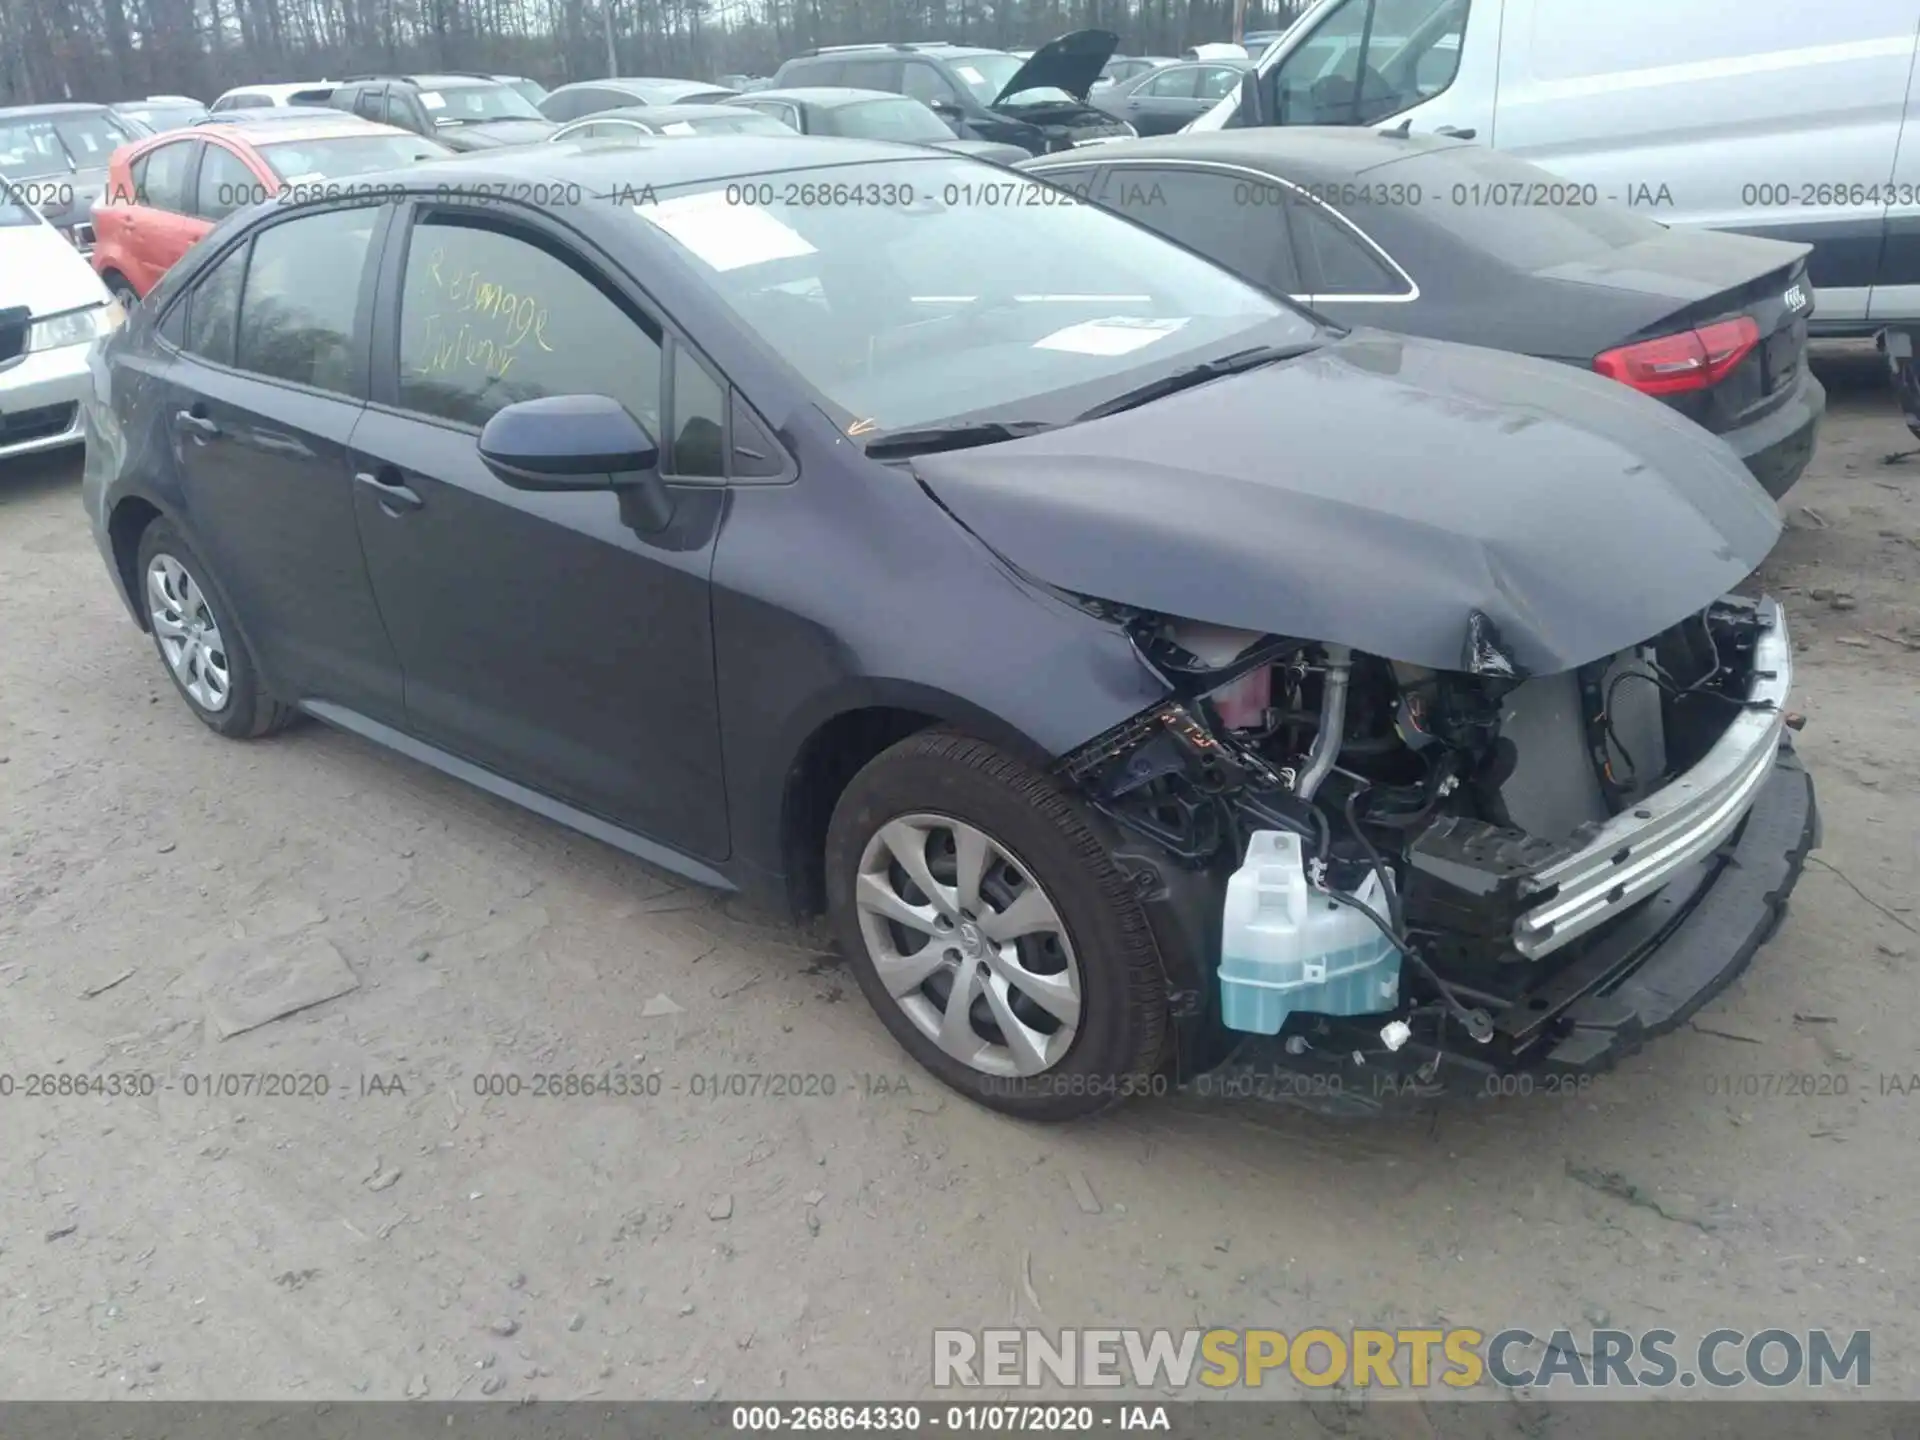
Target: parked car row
pixel 1143 671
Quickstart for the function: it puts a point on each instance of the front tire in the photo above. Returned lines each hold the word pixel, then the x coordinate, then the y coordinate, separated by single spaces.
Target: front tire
pixel 990 930
pixel 198 645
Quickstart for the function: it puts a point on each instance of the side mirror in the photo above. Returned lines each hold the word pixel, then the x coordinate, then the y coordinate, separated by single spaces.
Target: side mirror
pixel 578 442
pixel 948 110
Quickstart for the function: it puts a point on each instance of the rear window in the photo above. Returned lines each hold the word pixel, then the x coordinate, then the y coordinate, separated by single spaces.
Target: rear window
pixel 747 122
pixel 1519 214
pixel 301 161
pixel 901 119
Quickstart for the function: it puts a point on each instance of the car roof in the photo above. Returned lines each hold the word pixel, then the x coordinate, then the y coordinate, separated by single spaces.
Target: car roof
pixel 284 132
pixel 643 84
pixel 653 162
pixel 1294 152
pixel 827 97
pixel 657 114
pixel 279 87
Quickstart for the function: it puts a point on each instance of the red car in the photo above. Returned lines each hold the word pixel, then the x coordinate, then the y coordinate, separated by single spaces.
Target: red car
pixel 165 192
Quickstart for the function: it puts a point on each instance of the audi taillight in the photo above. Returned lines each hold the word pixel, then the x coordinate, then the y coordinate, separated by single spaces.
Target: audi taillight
pixel 1691 360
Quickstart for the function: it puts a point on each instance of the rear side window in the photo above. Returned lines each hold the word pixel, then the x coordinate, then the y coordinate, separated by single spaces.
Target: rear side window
pixel 370 105
pixel 1216 213
pixel 225 185
pixel 214 308
pixel 489 317
pixel 813 72
pixel 160 180
pixel 876 72
pixel 301 295
pixel 1176 82
pixel 927 84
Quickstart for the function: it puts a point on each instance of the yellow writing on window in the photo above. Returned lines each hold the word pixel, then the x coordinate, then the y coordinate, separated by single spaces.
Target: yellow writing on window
pixel 478 323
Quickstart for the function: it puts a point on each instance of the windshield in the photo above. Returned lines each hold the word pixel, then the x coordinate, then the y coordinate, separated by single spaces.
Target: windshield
pixel 934 292
pixel 59 144
pixel 164 117
pixel 302 161
pixel 900 119
pixel 987 73
pixel 12 211
pixel 471 104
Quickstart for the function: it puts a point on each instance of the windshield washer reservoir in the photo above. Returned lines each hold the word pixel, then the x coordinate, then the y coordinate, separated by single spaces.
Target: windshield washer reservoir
pixel 1285 947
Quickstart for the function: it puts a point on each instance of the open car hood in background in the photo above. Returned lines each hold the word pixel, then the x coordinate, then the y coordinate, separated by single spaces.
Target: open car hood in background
pixel 1072 62
pixel 1376 493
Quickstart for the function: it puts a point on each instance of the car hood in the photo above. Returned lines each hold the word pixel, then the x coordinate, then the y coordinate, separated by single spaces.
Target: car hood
pixel 1376 493
pixel 86 186
pixel 492 134
pixel 1071 63
pixel 40 269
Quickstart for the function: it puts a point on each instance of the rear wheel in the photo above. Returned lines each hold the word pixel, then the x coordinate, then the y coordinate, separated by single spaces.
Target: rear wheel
pixel 203 653
pixel 991 932
pixel 121 289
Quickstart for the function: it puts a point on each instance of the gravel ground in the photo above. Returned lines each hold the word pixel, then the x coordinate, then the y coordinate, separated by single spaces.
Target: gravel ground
pixel 404 1235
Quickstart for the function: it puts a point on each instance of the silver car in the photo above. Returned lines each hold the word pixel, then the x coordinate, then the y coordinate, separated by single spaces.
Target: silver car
pixel 52 307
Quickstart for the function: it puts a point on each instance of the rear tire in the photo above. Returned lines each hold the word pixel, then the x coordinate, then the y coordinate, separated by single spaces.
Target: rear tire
pixel 122 290
pixel 1019 911
pixel 199 645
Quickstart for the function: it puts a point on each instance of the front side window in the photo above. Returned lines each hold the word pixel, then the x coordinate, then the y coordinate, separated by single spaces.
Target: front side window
pixel 899 119
pixel 1369 59
pixel 935 306
pixel 925 83
pixel 302 292
pixel 489 318
pixel 225 184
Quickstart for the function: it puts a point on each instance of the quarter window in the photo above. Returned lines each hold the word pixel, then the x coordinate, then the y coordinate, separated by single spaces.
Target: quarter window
pixel 1334 259
pixel 301 296
pixel 489 318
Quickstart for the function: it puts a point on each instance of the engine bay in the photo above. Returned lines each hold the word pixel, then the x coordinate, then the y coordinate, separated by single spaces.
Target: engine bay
pixel 1444 795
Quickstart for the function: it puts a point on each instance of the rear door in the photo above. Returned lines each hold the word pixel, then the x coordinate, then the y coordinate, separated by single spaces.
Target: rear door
pixel 1774 119
pixel 158 226
pixel 263 401
pixel 542 635
pixel 1896 284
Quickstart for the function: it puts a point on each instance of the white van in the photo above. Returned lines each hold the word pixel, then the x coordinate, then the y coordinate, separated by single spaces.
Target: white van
pixel 1785 118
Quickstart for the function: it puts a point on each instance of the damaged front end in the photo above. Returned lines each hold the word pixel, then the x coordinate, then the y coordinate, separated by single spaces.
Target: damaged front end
pixel 1416 875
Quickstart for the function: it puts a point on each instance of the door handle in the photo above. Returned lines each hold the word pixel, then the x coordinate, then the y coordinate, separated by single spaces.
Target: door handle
pixel 394 493
pixel 196 425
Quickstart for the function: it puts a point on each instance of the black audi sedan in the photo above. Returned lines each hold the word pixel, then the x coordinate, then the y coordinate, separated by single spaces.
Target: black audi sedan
pixel 1437 236
pixel 1144 675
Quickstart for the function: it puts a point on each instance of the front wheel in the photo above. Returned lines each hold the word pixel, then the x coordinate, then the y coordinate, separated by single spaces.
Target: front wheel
pixel 989 928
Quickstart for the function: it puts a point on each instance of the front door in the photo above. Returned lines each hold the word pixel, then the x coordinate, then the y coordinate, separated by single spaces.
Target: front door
pixel 542 635
pixel 263 400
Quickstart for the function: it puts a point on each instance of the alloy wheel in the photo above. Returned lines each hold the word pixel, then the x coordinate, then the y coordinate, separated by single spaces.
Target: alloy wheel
pixel 189 635
pixel 968 944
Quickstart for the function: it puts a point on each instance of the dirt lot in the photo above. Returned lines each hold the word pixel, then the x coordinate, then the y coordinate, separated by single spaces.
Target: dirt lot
pixel 403 1235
